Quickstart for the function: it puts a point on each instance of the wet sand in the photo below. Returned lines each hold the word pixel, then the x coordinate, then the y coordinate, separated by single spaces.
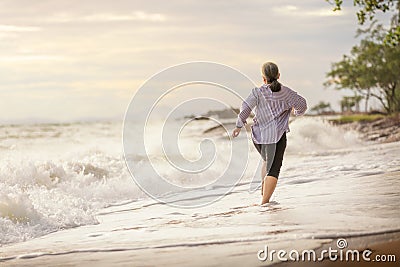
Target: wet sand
pixel 382 245
pixel 226 254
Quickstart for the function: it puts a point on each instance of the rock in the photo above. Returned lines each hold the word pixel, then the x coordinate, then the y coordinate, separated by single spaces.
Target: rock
pixel 382 130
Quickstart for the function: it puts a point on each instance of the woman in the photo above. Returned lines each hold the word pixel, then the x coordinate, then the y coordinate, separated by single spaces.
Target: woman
pixel 273 103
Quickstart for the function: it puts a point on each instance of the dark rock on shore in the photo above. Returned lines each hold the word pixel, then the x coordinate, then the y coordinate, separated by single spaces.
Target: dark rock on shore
pixel 383 130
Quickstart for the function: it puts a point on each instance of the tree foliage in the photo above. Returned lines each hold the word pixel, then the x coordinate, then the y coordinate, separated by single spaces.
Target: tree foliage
pixel 348 102
pixel 371 69
pixel 322 107
pixel 367 11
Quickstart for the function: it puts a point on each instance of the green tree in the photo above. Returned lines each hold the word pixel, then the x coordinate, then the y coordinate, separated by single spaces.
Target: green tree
pixel 367 10
pixel 372 70
pixel 322 107
pixel 346 104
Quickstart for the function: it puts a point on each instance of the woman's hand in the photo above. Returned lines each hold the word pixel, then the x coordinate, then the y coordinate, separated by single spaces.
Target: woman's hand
pixel 236 132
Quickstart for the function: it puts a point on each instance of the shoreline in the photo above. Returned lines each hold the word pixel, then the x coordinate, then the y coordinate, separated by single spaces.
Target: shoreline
pixel 219 254
pixel 381 129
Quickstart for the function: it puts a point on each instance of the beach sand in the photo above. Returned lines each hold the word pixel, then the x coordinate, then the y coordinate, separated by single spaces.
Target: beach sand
pixel 226 254
pixel 382 245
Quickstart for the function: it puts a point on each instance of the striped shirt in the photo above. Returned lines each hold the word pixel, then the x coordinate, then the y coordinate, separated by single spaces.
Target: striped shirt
pixel 272 112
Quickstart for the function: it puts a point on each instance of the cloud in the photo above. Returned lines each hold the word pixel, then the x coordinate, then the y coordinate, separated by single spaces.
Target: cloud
pixel 98 52
pixel 291 10
pixel 13 31
pixel 29 58
pixel 109 17
pixel 15 28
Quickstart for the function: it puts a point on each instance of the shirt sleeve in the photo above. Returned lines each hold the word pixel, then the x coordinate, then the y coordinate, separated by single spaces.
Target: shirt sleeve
pixel 298 103
pixel 247 106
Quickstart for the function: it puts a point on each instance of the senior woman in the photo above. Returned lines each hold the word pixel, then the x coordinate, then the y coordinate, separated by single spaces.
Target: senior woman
pixel 273 103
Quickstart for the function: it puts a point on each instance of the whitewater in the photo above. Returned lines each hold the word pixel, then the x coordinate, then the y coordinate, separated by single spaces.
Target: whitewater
pixel 64 182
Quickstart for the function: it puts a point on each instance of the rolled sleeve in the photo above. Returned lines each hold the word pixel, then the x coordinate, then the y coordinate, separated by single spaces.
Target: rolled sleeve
pixel 298 103
pixel 247 106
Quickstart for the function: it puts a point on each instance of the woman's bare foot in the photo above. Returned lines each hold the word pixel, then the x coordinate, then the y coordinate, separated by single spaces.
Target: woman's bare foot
pixel 269 187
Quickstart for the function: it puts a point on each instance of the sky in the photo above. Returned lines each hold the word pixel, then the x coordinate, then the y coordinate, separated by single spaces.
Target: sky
pixel 79 60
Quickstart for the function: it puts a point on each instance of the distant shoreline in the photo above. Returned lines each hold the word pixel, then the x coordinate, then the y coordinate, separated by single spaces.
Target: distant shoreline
pixel 383 129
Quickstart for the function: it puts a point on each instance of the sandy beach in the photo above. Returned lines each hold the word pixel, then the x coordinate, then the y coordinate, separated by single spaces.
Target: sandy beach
pixel 237 253
pixel 384 244
pixel 233 254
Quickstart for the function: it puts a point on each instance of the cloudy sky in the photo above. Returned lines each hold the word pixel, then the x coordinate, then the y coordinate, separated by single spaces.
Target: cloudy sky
pixel 71 60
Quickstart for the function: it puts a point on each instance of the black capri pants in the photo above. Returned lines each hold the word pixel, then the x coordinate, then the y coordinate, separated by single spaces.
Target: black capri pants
pixel 273 155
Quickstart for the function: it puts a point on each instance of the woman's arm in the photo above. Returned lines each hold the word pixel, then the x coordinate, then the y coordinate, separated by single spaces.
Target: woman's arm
pixel 298 103
pixel 247 106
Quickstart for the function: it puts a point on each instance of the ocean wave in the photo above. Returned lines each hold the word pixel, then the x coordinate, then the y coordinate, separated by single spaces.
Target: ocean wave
pixel 49 184
pixel 40 197
pixel 316 136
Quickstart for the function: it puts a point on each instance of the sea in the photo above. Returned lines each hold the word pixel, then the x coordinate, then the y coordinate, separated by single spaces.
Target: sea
pixel 56 178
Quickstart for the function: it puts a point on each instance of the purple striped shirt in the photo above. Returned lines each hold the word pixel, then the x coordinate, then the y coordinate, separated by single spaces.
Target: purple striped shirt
pixel 272 112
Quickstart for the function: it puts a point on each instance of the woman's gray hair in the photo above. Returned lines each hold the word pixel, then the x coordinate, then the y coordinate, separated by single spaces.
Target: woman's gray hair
pixel 270 72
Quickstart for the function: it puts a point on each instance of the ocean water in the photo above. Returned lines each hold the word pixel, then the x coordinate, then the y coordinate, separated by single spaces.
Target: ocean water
pixel 55 177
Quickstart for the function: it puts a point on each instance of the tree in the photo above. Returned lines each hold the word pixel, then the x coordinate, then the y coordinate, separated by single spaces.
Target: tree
pixel 322 107
pixel 367 11
pixel 371 69
pixel 346 104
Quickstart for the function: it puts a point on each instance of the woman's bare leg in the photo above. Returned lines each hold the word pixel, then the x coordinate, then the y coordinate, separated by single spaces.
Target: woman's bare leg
pixel 263 174
pixel 268 188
